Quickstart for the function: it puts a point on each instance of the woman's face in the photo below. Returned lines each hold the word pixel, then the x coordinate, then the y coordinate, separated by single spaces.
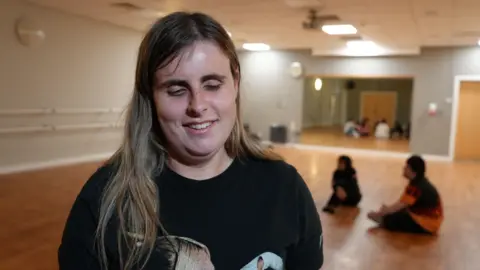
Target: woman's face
pixel 260 264
pixel 195 98
pixel 341 165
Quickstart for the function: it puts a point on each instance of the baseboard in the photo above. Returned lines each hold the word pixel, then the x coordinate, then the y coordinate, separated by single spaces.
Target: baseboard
pixel 53 163
pixel 364 152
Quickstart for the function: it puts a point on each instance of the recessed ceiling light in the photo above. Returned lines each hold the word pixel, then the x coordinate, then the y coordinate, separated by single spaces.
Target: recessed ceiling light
pixel 478 42
pixel 355 44
pixel 363 48
pixel 256 46
pixel 339 29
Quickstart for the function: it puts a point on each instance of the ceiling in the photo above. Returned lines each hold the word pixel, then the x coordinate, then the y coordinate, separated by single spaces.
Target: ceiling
pixel 399 26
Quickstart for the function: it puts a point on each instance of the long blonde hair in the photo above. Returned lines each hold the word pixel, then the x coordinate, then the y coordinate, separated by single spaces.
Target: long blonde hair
pixel 131 198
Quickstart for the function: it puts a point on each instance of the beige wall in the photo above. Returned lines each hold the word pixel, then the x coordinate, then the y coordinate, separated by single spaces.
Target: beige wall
pixel 82 64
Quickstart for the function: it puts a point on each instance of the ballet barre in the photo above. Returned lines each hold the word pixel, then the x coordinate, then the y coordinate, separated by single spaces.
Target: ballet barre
pixel 51 128
pixel 87 111
pixel 46 111
pixel 86 126
pixel 25 129
pixel 26 111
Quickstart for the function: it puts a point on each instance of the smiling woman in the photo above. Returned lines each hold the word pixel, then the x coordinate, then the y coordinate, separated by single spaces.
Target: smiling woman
pixel 188 170
pixel 196 110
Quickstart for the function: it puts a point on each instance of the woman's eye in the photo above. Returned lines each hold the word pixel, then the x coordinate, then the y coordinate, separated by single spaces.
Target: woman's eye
pixel 176 92
pixel 212 87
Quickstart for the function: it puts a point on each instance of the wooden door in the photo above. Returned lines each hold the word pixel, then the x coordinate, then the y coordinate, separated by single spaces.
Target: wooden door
pixel 379 105
pixel 468 129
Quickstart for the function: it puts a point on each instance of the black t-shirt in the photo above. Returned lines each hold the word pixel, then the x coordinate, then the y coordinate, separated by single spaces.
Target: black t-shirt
pixel 424 203
pixel 255 209
pixel 347 179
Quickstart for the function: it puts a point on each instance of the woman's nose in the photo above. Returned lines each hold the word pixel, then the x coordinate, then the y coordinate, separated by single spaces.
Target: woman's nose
pixel 197 103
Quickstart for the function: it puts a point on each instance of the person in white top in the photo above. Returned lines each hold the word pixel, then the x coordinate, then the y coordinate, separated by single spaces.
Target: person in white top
pixel 349 128
pixel 382 131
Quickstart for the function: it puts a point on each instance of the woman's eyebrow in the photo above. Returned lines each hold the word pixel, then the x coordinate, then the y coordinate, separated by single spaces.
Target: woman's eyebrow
pixel 213 76
pixel 184 83
pixel 172 82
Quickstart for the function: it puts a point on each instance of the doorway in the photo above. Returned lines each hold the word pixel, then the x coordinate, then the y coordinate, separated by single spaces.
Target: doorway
pixel 379 105
pixel 467 128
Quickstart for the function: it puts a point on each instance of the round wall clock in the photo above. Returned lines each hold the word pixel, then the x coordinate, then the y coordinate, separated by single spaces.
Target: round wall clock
pixel 29 33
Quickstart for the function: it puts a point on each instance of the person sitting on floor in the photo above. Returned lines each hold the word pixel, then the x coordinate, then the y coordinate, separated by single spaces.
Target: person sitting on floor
pixel 419 209
pixel 345 186
pixel 364 128
pixel 349 128
pixel 382 130
pixel 397 130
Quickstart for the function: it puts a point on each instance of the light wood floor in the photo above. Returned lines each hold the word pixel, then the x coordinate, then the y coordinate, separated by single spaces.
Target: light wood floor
pixel 328 136
pixel 33 208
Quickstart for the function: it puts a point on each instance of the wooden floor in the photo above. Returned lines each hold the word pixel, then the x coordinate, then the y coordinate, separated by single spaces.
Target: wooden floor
pixel 328 136
pixel 33 208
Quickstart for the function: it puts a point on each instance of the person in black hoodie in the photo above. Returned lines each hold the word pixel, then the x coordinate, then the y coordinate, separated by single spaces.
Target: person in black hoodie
pixel 345 186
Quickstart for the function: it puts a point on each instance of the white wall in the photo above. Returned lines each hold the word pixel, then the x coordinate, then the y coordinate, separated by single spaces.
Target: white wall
pixel 82 64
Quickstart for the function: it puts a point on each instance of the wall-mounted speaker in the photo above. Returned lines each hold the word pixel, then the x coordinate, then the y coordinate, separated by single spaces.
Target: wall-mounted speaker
pixel 350 85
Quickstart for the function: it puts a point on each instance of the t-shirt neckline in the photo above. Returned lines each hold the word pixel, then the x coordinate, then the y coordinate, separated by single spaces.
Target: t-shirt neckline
pixel 171 176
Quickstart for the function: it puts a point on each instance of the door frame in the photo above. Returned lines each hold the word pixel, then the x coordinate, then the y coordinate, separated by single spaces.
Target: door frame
pixel 458 79
pixel 378 92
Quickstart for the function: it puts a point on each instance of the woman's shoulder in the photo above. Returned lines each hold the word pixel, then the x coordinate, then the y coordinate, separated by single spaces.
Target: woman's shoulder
pixel 272 172
pixel 270 166
pixel 97 181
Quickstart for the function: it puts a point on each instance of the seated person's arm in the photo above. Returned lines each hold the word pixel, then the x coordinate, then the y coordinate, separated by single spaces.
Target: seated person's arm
pixel 409 197
pixel 385 210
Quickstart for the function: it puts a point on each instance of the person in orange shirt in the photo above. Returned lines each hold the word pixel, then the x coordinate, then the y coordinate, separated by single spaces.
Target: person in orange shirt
pixel 419 209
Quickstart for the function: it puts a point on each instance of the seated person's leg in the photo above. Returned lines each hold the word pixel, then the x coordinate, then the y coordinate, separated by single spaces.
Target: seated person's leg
pixel 350 131
pixel 401 221
pixel 352 200
pixel 335 200
pixel 340 192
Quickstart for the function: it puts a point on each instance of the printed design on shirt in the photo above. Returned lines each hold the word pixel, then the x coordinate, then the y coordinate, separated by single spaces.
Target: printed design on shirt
pixel 184 253
pixel 266 261
pixel 410 195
